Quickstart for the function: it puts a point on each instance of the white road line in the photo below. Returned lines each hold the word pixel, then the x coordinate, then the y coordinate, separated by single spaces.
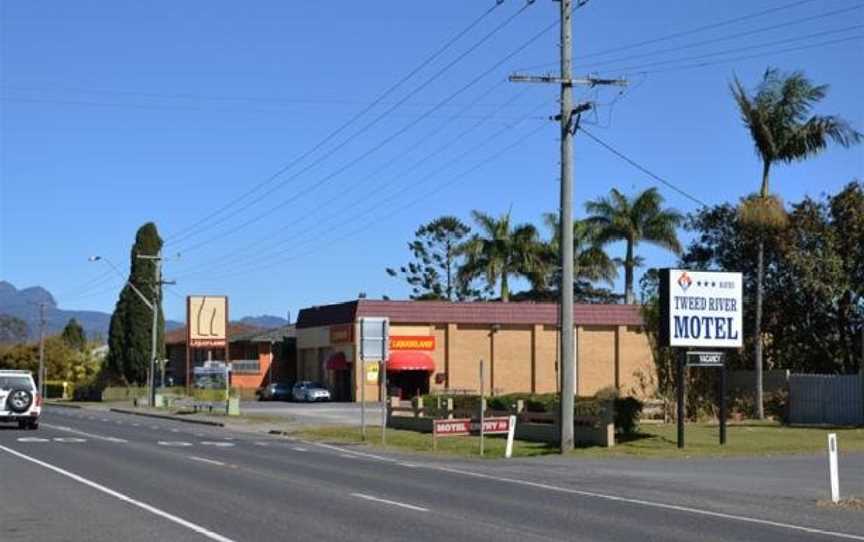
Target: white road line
pixel 615 498
pixel 136 425
pixel 217 444
pixel 33 439
pixel 349 456
pixel 120 496
pixel 174 443
pixel 73 440
pixel 299 449
pixel 652 504
pixel 393 503
pixel 205 460
pixel 84 434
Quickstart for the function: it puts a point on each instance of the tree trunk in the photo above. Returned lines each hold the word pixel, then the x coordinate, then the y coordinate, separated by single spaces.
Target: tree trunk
pixel 505 287
pixel 760 279
pixel 760 273
pixel 628 274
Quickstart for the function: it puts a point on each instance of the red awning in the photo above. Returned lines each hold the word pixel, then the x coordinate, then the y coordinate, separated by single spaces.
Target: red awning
pixel 410 361
pixel 336 362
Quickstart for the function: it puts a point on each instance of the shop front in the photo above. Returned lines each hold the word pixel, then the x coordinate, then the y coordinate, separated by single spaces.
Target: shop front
pixel 438 347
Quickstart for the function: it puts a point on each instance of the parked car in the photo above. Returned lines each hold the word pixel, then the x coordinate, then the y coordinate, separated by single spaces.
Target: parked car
pixel 20 401
pixel 310 392
pixel 274 392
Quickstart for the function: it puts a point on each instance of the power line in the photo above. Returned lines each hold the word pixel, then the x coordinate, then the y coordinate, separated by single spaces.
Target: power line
pixel 361 183
pixel 387 140
pixel 424 197
pixel 739 49
pixel 642 168
pixel 378 201
pixel 722 38
pixel 667 37
pixel 748 57
pixel 184 232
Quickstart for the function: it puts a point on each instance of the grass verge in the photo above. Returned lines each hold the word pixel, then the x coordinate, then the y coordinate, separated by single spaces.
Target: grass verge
pixel 655 441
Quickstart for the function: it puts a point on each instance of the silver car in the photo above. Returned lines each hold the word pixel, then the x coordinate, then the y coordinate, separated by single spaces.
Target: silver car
pixel 309 392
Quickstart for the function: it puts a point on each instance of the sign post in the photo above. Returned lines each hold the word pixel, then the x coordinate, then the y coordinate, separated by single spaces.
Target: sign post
pixel 206 328
pixel 700 309
pixel 833 476
pixel 482 409
pixel 374 347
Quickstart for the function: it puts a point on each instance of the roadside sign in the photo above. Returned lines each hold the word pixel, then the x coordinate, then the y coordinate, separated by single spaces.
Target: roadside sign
pixel 460 427
pixel 374 338
pixel 371 373
pixel 701 309
pixel 705 359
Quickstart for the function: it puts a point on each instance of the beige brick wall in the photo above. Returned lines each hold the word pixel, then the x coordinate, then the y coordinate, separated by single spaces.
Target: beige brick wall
pixel 597 359
pixel 511 365
pixel 546 376
pixel 636 360
pixel 439 355
pixel 472 345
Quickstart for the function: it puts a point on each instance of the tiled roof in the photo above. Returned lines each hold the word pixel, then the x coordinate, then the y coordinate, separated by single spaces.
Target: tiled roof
pixel 275 334
pixel 442 312
pixel 178 336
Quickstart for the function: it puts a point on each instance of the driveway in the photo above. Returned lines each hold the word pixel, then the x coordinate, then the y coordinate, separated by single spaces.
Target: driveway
pixel 315 413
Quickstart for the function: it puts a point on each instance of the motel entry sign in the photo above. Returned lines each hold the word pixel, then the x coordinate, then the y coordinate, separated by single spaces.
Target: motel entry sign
pixel 700 309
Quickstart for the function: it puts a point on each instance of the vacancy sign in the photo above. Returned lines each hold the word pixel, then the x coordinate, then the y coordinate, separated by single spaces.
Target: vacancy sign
pixel 700 309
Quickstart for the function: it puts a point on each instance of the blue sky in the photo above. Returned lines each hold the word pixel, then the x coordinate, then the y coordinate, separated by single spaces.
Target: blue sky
pixel 117 113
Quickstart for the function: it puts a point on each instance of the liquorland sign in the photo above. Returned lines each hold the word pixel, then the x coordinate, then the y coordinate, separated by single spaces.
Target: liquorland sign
pixel 700 309
pixel 207 321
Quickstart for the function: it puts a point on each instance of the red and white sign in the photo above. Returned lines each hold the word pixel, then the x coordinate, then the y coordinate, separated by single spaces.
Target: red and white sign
pixel 465 426
pixel 412 342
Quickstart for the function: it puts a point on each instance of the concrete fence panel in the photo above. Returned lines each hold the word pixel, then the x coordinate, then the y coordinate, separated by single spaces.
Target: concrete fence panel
pixel 826 399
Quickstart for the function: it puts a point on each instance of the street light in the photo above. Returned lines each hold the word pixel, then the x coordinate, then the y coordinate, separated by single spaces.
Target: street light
pixel 154 308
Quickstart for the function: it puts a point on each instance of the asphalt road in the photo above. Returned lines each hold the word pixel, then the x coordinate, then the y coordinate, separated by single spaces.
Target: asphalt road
pixel 315 413
pixel 97 476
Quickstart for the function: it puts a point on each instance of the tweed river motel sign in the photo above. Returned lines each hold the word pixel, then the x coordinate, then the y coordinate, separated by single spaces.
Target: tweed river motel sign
pixel 701 316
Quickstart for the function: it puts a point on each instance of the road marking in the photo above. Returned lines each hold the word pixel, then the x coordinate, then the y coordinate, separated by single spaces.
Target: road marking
pixel 154 427
pixel 136 425
pixel 652 504
pixel 70 440
pixel 33 439
pixel 104 420
pixel 299 449
pixel 262 443
pixel 174 443
pixel 349 456
pixel 393 503
pixel 84 434
pixel 615 498
pixel 120 496
pixel 205 460
pixel 218 444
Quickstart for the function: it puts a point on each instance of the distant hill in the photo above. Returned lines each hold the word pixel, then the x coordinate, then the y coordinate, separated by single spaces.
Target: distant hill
pixel 265 321
pixel 24 304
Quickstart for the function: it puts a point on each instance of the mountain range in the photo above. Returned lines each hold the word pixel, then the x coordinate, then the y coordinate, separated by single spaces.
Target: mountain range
pixel 24 304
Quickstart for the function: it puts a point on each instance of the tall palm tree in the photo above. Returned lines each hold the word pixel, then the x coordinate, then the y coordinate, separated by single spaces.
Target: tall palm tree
pixel 641 219
pixel 590 261
pixel 501 251
pixel 783 130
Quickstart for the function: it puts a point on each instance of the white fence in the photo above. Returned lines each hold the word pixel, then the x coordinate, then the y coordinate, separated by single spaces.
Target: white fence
pixel 826 399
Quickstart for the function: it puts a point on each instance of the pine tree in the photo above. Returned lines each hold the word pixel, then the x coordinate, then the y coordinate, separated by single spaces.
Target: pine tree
pixel 73 335
pixel 129 334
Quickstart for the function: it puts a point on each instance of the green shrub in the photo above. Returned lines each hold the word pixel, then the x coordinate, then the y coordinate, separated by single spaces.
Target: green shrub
pixel 56 389
pixel 122 393
pixel 776 404
pixel 628 410
pixel 87 392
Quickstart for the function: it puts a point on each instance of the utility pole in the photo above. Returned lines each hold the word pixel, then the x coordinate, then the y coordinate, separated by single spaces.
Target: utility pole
pixel 154 306
pixel 42 349
pixel 569 118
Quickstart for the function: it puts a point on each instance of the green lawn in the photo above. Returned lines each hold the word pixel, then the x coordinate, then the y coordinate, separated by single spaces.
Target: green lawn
pixel 654 441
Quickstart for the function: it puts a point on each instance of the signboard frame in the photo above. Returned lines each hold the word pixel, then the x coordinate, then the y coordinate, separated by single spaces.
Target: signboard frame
pixel 222 343
pixel 369 324
pixel 463 427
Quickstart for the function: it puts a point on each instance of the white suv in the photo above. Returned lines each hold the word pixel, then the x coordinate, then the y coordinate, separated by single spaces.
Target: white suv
pixel 19 399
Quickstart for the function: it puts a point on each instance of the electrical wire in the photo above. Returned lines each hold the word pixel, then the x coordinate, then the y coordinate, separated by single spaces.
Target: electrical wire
pixel 184 233
pixel 642 168
pixel 374 194
pixel 381 144
pixel 422 198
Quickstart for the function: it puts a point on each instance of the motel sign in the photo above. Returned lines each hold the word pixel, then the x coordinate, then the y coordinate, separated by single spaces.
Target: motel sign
pixel 700 309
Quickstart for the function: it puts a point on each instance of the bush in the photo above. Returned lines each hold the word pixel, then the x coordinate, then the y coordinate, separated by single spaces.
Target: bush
pixel 628 410
pixel 88 392
pixel 56 389
pixel 776 403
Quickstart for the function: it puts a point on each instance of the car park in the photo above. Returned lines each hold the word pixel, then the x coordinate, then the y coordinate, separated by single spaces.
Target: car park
pixel 310 392
pixel 274 392
pixel 20 401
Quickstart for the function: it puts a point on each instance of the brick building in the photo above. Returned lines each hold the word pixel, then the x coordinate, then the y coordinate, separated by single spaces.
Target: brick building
pixel 258 356
pixel 438 346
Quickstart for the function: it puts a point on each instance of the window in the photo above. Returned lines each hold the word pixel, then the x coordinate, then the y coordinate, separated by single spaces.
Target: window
pixel 246 366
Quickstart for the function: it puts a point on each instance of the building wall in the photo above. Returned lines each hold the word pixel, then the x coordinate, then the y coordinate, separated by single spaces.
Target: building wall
pixel 516 358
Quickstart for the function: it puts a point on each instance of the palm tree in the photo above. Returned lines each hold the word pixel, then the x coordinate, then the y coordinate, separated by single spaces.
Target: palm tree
pixel 633 221
pixel 590 261
pixel 783 130
pixel 500 251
